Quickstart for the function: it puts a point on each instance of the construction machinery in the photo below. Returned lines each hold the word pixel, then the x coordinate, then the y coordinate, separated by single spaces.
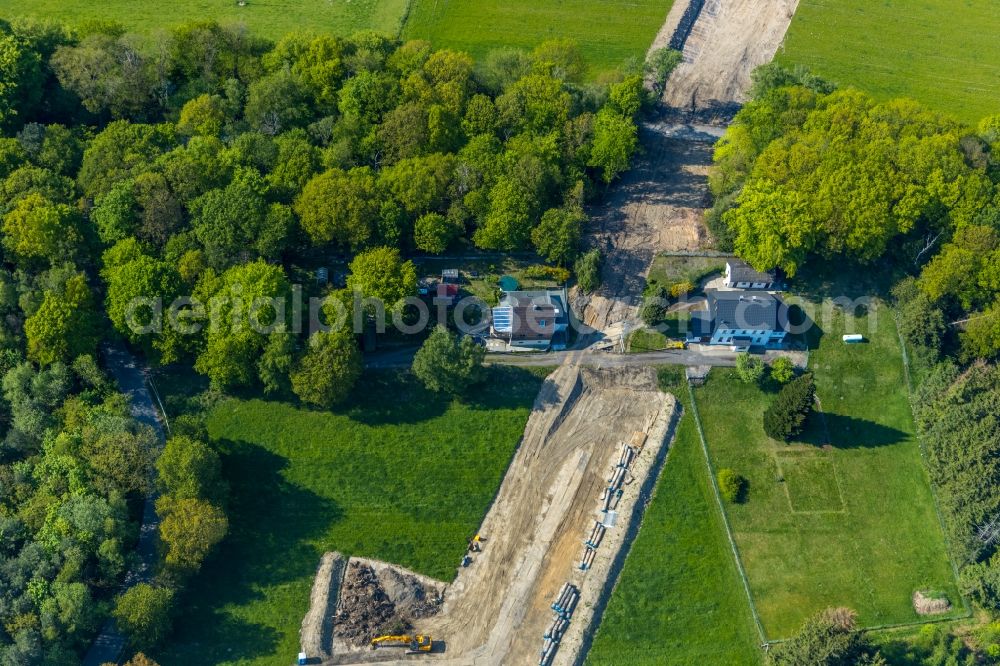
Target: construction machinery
pixel 675 344
pixel 413 644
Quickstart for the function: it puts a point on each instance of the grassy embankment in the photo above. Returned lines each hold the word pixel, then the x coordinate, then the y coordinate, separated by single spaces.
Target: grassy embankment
pixel 609 33
pixel 267 18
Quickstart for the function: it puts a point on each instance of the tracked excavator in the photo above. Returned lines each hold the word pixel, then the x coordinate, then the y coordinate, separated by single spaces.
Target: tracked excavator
pixel 414 644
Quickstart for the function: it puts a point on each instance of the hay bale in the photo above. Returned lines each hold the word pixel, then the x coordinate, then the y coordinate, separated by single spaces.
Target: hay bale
pixel 930 603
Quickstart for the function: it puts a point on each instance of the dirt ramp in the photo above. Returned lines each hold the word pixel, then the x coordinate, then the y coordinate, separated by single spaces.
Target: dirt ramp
pixel 537 536
pixel 317 625
pixel 727 41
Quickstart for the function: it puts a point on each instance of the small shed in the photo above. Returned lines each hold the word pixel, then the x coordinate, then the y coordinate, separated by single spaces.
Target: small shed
pixel 447 293
pixel 509 283
pixel 322 276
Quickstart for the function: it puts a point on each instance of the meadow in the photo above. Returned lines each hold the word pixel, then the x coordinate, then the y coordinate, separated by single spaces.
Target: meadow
pixel 844 516
pixel 942 53
pixel 399 474
pixel 679 599
pixel 267 18
pixel 609 33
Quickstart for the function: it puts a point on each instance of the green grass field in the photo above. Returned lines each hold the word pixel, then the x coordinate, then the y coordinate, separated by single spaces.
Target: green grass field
pixel 674 327
pixel 940 52
pixel 851 523
pixel 401 475
pixel 668 270
pixel 609 32
pixel 679 599
pixel 269 18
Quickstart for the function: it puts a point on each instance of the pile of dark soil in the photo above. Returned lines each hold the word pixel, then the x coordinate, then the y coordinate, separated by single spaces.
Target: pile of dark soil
pixel 376 602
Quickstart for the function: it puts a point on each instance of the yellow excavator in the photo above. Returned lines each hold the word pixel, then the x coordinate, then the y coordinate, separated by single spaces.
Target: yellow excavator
pixel 413 644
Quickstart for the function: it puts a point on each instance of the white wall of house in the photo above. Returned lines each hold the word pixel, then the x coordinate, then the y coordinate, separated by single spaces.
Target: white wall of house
pixel 530 344
pixel 743 285
pixel 760 337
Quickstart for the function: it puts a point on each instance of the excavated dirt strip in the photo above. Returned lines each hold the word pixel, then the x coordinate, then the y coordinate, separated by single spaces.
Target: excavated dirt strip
pixel 498 608
pixel 317 626
pixel 658 206
pixel 727 42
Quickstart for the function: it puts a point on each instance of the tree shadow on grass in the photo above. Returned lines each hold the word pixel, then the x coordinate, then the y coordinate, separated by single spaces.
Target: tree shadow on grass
pixel 396 397
pixel 506 387
pixel 808 332
pixel 847 432
pixel 384 397
pixel 271 524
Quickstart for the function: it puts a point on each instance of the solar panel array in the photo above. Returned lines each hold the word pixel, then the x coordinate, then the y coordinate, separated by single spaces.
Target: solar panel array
pixel 503 319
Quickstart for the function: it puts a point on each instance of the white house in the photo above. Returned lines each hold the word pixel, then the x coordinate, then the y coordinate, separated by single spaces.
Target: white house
pixel 741 320
pixel 741 275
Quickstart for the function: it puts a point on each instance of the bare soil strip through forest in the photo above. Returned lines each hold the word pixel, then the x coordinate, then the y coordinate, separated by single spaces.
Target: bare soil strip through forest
pixel 659 205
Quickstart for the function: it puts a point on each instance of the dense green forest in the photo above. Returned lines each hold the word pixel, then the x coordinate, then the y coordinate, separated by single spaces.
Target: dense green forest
pixel 215 167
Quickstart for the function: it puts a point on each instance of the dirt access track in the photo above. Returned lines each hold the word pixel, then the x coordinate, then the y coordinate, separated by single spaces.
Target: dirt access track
pixel 499 607
pixel 659 205
pixel 729 39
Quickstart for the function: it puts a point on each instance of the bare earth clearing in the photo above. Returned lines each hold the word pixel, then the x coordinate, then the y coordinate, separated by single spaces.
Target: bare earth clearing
pixel 729 39
pixel 498 608
pixel 660 204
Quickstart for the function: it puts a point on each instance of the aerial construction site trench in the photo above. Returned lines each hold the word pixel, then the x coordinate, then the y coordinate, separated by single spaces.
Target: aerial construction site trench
pixel 589 429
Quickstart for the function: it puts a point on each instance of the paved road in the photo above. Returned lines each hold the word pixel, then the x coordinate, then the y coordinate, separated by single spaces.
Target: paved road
pixel 601 359
pixel 403 358
pixel 131 378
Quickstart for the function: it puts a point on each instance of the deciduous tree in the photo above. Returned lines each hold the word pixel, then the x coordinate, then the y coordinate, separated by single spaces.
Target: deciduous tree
pixel 144 613
pixel 190 528
pixel 326 374
pixel 449 363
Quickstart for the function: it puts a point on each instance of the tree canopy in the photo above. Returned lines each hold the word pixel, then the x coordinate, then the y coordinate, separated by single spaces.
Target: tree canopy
pixel 449 363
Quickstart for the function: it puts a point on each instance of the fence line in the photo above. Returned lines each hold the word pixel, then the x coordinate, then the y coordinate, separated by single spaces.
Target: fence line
pixel 725 518
pixel 923 457
pixel 937 509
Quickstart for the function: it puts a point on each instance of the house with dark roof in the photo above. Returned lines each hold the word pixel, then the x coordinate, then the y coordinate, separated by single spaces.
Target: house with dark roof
pixel 742 320
pixel 741 275
pixel 532 320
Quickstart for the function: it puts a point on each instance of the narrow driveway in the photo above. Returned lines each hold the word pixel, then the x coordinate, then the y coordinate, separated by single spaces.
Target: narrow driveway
pixel 131 377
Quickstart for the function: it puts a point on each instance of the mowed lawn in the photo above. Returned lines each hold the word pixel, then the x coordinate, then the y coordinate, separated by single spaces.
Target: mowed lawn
pixel 401 475
pixel 679 599
pixel 943 53
pixel 609 32
pixel 268 18
pixel 846 516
